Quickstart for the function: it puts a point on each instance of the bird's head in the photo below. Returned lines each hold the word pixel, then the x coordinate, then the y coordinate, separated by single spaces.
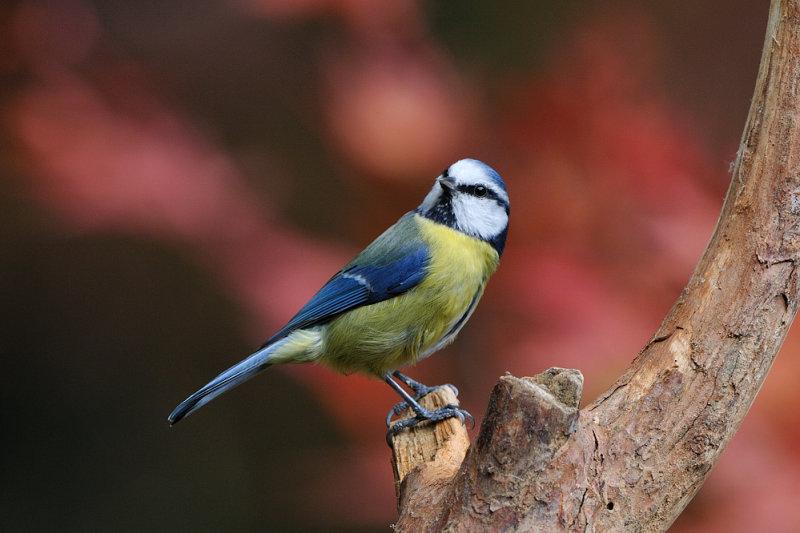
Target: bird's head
pixel 470 197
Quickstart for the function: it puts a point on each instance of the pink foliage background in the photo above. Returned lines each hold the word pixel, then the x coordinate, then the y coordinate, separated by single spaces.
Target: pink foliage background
pixel 176 180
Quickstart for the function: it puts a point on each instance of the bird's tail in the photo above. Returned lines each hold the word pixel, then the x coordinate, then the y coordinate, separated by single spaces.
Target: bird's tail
pixel 235 375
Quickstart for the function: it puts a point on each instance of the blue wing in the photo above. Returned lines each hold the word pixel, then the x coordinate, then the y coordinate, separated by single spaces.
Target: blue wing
pixel 382 271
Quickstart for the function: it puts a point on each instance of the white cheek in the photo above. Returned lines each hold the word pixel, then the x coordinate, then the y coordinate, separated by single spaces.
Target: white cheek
pixel 481 217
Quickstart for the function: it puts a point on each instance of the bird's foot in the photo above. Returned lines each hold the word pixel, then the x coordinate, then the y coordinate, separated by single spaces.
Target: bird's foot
pixel 420 390
pixel 448 411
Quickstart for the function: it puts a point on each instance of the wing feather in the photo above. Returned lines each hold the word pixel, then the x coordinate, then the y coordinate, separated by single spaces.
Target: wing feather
pixel 394 263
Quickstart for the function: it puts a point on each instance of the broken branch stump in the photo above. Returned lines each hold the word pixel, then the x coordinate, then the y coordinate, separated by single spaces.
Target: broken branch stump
pixel 633 458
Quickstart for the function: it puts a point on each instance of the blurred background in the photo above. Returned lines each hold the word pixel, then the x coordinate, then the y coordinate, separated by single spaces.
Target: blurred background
pixel 177 178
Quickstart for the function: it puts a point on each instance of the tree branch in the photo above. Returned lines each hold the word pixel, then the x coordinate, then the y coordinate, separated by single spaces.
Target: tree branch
pixel 634 458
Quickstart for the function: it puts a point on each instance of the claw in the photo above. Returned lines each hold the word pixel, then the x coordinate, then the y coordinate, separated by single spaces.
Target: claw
pixel 443 413
pixel 420 390
pixel 421 414
pixel 397 410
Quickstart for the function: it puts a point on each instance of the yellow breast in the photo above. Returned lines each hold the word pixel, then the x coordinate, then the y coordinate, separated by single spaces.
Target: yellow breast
pixel 387 335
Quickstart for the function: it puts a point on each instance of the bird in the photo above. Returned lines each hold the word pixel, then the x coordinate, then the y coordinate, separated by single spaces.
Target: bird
pixel 404 297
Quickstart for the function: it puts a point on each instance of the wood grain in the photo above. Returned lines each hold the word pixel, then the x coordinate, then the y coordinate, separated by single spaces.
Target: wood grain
pixel 633 458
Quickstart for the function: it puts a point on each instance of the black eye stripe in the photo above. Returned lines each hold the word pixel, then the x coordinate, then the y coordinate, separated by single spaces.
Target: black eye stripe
pixel 479 191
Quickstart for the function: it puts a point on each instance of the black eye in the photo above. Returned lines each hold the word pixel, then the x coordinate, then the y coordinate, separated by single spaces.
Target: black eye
pixel 480 191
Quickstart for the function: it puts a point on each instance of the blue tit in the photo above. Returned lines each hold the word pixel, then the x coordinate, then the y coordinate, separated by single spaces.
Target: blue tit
pixel 404 297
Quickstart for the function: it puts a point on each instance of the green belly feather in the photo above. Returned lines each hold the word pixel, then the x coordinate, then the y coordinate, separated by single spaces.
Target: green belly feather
pixel 378 338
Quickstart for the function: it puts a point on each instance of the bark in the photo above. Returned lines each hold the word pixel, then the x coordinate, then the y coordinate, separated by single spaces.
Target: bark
pixel 633 458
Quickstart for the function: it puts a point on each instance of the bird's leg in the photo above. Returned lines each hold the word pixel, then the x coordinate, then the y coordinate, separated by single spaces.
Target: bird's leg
pixel 448 411
pixel 420 390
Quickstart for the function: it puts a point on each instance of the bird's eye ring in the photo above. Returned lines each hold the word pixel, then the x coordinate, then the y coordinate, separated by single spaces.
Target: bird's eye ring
pixel 480 191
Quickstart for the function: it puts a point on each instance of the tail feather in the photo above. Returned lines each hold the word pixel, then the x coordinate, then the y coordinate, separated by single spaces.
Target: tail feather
pixel 235 375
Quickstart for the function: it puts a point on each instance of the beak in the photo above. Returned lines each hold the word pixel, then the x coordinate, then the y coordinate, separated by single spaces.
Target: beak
pixel 447 183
